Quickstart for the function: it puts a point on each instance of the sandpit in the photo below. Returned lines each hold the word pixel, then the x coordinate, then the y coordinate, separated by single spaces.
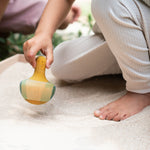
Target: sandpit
pixel 67 121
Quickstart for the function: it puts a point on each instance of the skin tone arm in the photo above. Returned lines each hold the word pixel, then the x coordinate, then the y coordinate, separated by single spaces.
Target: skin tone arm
pixel 53 16
pixel 3 6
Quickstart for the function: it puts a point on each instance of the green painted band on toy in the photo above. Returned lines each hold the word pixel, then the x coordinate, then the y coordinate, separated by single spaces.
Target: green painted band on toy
pixel 53 92
pixel 22 88
pixel 46 92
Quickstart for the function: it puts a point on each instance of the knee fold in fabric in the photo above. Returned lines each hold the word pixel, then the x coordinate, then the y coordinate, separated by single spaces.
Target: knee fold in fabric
pixel 122 24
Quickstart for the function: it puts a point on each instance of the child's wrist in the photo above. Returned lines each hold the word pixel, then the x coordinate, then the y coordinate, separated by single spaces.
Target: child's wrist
pixel 44 34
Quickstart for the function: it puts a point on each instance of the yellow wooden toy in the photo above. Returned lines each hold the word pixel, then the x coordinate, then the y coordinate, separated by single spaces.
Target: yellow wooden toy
pixel 37 89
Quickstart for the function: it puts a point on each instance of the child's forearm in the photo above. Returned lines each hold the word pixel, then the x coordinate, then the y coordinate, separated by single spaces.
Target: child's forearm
pixel 53 16
pixel 3 6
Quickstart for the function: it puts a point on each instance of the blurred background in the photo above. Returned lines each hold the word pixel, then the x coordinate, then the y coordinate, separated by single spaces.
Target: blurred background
pixel 13 43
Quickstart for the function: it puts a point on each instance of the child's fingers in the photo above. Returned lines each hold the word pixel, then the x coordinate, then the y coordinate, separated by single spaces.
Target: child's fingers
pixel 33 62
pixel 32 46
pixel 30 53
pixel 49 57
pixel 77 12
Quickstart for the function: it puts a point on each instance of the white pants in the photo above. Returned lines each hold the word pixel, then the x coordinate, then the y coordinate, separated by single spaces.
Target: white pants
pixel 125 24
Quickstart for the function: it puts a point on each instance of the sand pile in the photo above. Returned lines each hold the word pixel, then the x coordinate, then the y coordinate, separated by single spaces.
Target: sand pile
pixel 67 121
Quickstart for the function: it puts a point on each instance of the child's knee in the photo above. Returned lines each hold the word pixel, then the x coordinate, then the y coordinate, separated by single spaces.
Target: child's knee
pixel 103 8
pixel 22 18
pixel 58 65
pixel 64 67
pixel 100 7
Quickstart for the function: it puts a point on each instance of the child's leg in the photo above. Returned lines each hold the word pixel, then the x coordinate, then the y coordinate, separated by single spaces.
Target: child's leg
pixel 83 58
pixel 126 28
pixel 22 16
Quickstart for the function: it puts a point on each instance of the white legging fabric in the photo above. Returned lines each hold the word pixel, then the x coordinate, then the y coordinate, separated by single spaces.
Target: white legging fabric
pixel 123 46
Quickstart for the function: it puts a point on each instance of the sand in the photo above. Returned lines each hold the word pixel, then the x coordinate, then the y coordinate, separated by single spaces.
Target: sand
pixel 67 121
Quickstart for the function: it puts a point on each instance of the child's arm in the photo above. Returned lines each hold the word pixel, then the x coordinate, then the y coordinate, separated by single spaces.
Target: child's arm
pixel 53 16
pixel 3 6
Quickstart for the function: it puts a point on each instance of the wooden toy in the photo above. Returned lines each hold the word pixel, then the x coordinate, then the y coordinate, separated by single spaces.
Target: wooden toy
pixel 37 89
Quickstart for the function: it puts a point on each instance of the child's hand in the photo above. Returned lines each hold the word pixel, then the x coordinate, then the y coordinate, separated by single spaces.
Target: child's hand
pixel 77 12
pixel 72 16
pixel 38 43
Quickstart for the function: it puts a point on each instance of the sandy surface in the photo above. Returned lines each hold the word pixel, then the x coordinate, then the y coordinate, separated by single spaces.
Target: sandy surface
pixel 67 121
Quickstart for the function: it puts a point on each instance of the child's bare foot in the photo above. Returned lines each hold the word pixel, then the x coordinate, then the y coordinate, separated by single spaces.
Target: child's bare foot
pixel 124 107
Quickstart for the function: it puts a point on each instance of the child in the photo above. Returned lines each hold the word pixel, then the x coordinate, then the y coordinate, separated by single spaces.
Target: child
pixel 123 43
pixel 23 16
